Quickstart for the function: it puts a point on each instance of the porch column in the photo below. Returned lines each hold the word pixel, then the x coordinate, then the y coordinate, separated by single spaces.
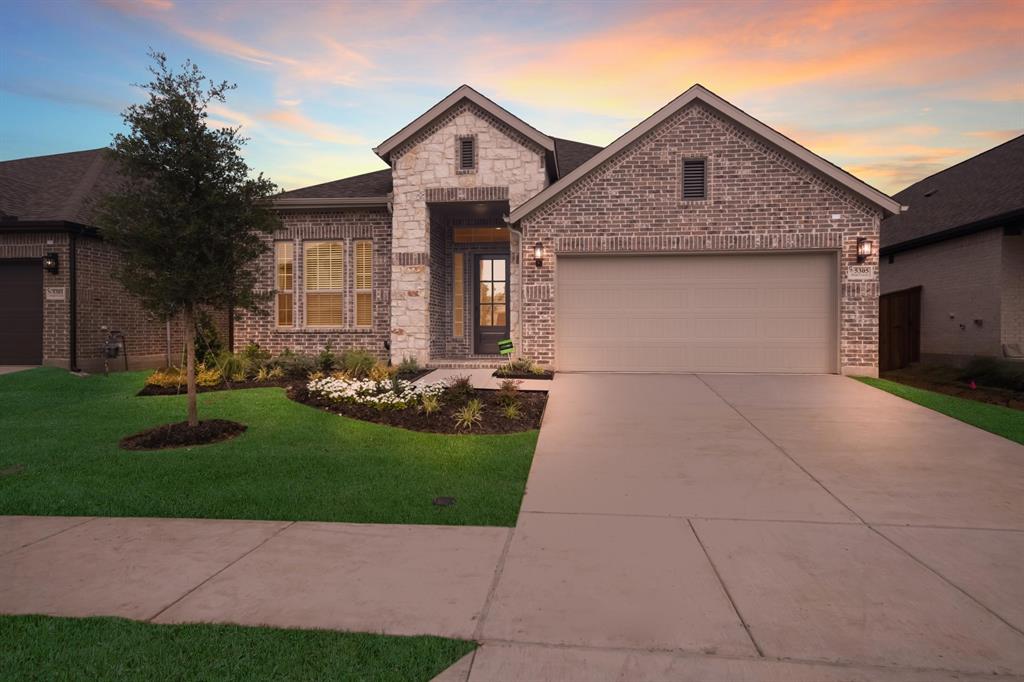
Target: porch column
pixel 410 278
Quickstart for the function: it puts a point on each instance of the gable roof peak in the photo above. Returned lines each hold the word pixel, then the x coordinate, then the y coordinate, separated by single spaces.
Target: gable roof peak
pixel 463 92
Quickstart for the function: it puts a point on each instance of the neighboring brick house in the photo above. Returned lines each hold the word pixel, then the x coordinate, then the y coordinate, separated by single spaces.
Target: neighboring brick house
pixel 58 312
pixel 701 240
pixel 952 266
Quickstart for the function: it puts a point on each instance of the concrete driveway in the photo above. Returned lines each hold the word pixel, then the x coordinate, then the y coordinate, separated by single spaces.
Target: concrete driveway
pixel 726 525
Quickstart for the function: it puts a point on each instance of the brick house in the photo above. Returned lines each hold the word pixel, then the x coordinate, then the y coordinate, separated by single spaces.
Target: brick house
pixel 701 240
pixel 952 267
pixel 58 296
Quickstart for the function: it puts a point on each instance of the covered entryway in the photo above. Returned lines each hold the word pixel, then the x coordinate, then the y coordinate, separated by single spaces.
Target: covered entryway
pixel 697 313
pixel 21 312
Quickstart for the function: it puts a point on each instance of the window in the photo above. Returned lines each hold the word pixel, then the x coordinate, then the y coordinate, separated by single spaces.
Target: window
pixel 466 150
pixel 364 283
pixel 324 263
pixel 284 253
pixel 695 180
pixel 458 295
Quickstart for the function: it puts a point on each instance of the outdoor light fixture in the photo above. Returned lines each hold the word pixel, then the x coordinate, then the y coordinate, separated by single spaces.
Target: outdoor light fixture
pixel 864 249
pixel 538 254
pixel 51 263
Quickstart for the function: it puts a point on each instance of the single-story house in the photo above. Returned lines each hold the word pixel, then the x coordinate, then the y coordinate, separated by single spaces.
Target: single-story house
pixel 58 300
pixel 700 240
pixel 952 266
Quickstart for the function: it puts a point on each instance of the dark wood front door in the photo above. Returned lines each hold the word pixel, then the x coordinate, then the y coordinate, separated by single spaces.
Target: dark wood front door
pixel 21 312
pixel 491 298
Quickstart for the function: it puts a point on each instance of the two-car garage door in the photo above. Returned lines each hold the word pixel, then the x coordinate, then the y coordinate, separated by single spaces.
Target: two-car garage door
pixel 707 313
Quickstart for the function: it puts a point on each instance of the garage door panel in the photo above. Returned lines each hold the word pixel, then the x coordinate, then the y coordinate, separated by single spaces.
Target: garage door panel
pixel 771 313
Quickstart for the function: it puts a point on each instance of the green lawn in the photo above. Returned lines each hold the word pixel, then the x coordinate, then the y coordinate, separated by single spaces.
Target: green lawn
pixel 47 648
pixel 996 419
pixel 59 455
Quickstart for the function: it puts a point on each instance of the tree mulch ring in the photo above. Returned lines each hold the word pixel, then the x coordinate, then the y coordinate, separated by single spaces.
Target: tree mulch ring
pixel 547 374
pixel 224 386
pixel 531 409
pixel 182 435
pixel 982 394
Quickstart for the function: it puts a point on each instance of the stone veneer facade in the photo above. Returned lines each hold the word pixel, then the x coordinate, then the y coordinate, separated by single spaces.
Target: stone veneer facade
pixel 759 200
pixel 508 167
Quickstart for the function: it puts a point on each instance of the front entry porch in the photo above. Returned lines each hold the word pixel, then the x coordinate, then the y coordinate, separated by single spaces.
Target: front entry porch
pixel 473 277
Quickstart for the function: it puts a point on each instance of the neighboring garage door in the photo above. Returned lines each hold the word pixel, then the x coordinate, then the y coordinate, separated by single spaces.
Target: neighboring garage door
pixel 21 312
pixel 714 313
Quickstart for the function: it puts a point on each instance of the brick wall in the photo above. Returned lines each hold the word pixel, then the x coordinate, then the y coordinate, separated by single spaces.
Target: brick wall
pixel 960 283
pixel 759 199
pixel 1013 289
pixel 342 225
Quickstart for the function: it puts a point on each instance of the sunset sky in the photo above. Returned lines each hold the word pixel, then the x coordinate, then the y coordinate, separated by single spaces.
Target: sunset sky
pixel 890 91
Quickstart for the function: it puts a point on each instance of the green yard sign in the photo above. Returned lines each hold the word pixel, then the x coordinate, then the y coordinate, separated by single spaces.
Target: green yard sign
pixel 505 347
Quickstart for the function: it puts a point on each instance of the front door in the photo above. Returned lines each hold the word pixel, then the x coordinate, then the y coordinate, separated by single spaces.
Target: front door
pixel 491 306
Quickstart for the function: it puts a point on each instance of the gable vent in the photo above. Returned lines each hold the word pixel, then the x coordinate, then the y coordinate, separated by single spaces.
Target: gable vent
pixel 467 153
pixel 695 181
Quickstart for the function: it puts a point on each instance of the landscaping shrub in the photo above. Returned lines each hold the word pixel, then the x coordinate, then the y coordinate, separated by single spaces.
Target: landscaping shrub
pixel 166 377
pixel 208 342
pixel 232 365
pixel 326 360
pixel 520 366
pixel 254 356
pixel 996 373
pixel 392 394
pixel 508 392
pixel 469 415
pixel 294 365
pixel 460 389
pixel 512 411
pixel 408 365
pixel 430 404
pixel 381 372
pixel 358 363
pixel 208 376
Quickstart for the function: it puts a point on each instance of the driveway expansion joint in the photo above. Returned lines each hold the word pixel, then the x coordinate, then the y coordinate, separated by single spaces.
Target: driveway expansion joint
pixel 489 599
pixel 51 535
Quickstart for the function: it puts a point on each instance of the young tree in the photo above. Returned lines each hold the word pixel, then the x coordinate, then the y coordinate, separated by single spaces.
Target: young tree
pixel 188 219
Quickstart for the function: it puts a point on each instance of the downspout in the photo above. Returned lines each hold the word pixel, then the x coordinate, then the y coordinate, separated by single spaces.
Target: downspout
pixel 73 296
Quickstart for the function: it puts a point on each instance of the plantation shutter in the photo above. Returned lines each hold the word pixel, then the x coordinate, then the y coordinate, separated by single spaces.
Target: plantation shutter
pixel 364 283
pixel 323 275
pixel 694 180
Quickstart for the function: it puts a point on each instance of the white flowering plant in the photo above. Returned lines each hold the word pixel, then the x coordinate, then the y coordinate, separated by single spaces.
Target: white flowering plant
pixel 387 394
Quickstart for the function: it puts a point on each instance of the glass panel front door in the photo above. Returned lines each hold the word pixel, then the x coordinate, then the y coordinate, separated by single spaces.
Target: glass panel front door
pixel 491 302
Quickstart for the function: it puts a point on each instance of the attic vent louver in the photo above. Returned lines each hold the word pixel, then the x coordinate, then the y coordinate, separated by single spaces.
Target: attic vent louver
pixel 695 180
pixel 467 153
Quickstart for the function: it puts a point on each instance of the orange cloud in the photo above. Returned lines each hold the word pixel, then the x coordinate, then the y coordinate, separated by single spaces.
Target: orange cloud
pixel 293 120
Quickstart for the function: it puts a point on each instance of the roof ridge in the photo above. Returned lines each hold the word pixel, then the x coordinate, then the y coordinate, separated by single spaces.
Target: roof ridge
pixel 960 163
pixel 46 156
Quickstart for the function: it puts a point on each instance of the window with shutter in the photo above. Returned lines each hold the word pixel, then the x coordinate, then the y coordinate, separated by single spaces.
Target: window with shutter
pixel 467 153
pixel 324 283
pixel 695 181
pixel 364 283
pixel 284 264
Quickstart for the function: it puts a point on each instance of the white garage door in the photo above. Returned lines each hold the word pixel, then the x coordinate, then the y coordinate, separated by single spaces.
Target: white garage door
pixel 721 313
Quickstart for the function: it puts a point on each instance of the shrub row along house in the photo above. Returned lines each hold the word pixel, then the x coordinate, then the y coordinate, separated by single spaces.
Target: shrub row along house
pixel 701 240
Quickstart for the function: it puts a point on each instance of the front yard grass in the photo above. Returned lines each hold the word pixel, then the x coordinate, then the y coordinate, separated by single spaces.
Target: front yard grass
pixel 59 456
pixel 1003 421
pixel 48 648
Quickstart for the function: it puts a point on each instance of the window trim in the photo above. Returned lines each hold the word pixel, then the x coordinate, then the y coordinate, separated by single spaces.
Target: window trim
pixel 306 291
pixel 277 283
pixel 459 140
pixel 682 179
pixel 356 289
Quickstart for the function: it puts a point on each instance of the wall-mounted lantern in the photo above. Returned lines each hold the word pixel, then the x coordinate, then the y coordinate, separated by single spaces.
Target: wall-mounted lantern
pixel 538 254
pixel 864 249
pixel 51 263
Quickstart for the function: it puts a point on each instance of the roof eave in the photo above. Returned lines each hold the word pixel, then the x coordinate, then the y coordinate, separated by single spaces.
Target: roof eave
pixel 859 187
pixel 384 149
pixel 331 202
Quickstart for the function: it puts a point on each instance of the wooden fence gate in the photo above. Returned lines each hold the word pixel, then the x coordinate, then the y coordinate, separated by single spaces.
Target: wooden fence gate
pixel 899 329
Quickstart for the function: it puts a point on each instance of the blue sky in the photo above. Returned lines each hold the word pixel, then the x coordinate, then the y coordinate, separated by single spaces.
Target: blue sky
pixel 890 91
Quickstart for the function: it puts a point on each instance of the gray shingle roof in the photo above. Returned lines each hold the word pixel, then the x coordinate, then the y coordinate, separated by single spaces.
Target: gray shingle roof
pixel 374 184
pixel 571 155
pixel 981 188
pixel 58 186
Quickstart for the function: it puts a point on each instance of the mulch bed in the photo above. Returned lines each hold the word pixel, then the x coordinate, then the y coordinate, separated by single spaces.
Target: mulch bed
pixel 180 435
pixel 982 394
pixel 238 385
pixel 546 374
pixel 531 407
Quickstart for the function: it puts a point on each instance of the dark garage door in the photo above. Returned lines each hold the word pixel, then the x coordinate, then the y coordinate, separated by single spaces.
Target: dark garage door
pixel 21 312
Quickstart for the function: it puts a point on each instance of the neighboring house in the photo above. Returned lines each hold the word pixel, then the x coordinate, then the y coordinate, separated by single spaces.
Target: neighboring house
pixel 57 312
pixel 701 240
pixel 952 266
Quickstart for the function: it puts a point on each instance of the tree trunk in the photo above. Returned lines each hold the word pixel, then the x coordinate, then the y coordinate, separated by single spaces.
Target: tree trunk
pixel 190 366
